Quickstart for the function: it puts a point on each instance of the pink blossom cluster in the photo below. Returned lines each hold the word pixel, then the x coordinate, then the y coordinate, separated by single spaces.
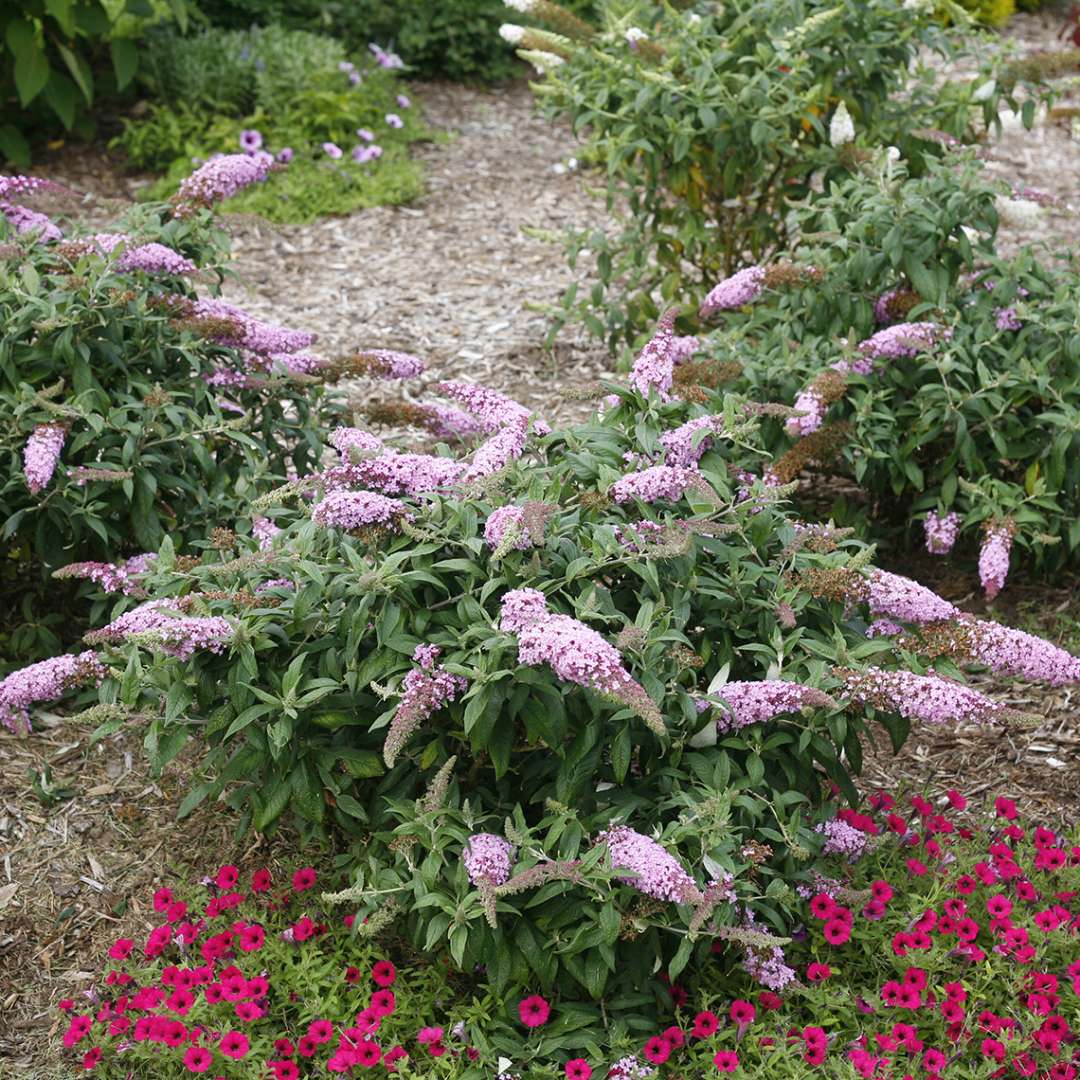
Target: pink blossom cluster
pixel 897 597
pixel 741 288
pixel 405 474
pixel 357 509
pixel 811 403
pixel 251 333
pixel 882 304
pixel 685 445
pixel 765 965
pixel 1007 319
pixel 574 651
pixel 757 701
pixel 940 531
pixel 41 454
pixel 994 559
pixel 842 839
pixel 447 422
pixel 929 698
pixel 347 439
pixel 264 530
pixel 24 185
pixel 220 178
pixel 653 870
pixel 46 680
pixel 293 363
pixel 503 518
pixel 391 364
pixel 655 365
pixel 656 483
pixel 488 858
pixel 151 258
pixel 178 635
pixel 24 220
pixel 425 690
pixel 684 346
pixel 110 577
pixel 492 410
pixel 902 340
pixel 497 451
pixel 1008 651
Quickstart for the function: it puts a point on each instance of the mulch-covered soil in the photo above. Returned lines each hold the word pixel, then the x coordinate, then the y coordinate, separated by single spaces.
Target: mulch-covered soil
pixel 464 278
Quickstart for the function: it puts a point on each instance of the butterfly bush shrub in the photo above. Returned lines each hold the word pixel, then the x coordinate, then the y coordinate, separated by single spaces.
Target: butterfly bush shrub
pixel 564 690
pixel 133 409
pixel 947 374
pixel 713 120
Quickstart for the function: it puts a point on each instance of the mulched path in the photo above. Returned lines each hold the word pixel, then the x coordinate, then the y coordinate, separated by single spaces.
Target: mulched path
pixel 464 278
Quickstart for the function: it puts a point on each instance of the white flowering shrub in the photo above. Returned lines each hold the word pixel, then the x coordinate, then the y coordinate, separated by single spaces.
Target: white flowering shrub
pixel 941 377
pixel 576 697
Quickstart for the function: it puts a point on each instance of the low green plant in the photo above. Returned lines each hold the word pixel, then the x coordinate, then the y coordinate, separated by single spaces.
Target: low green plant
pixel 714 125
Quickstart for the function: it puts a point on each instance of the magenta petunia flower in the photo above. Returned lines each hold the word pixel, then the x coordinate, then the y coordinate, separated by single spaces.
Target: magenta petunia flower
pixel 534 1011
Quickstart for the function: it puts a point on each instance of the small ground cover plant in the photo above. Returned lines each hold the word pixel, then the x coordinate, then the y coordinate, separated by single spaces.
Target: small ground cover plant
pixel 343 124
pixel 938 375
pixel 927 940
pixel 136 408
pixel 713 125
pixel 522 678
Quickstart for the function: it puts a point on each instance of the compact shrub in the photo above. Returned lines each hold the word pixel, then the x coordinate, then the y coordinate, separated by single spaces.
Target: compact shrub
pixel 931 942
pixel 949 373
pixel 344 126
pixel 60 58
pixel 135 410
pixel 714 125
pixel 422 657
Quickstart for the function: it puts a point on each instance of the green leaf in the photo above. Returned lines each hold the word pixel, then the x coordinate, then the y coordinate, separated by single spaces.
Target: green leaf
pixel 60 10
pixel 80 71
pixel 31 63
pixel 268 810
pixel 125 58
pixel 13 146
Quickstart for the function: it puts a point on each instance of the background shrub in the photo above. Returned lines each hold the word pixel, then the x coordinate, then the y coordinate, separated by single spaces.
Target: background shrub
pixel 712 126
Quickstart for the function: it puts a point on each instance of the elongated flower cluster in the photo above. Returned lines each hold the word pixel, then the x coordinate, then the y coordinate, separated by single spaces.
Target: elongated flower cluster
pixel 357 510
pixel 220 178
pixel 897 597
pixel 24 220
pixel 655 365
pixel 245 331
pixel 47 680
pixel 425 690
pixel 994 557
pixel 658 482
pixel 150 258
pixel 389 364
pixel 347 439
pixel 653 870
pixel 741 288
pixel 492 410
pixel 264 530
pixel 842 839
pixel 756 702
pixel 110 577
pixel 176 635
pixel 902 340
pixel 766 964
pixel 496 452
pixel 40 455
pixel 940 531
pixel 894 304
pixel 406 474
pixel 574 651
pixel 686 444
pixel 507 523
pixel 813 406
pixel 928 698
pixel 488 858
pixel 24 185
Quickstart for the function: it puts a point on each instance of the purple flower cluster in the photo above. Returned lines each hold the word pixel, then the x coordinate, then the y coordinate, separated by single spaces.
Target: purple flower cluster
pixel 44 681
pixel 685 445
pixel 1007 319
pixel 653 870
pixel 488 858
pixel 406 474
pixel 251 333
pixel 24 185
pixel 24 220
pixel 500 520
pixel 756 702
pixel 1007 651
pixel 356 509
pixel 928 698
pixel 295 363
pixel 492 410
pixel 178 635
pixel 40 455
pixel 425 690
pixel 220 178
pixel 151 258
pixel 654 367
pixel 767 966
pixel 842 839
pixel 994 559
pixel 813 406
pixel 574 651
pixel 882 306
pixel 110 577
pixel 741 288
pixel 496 452
pixel 391 364
pixel 940 531
pixel 264 530
pixel 683 347
pixel 902 340
pixel 347 439
pixel 447 422
pixel 658 482
pixel 896 597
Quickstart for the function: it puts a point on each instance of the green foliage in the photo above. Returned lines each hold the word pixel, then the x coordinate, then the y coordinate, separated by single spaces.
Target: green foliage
pixel 289 87
pixel 91 348
pixel 58 58
pixel 984 423
pixel 713 127
pixel 994 12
